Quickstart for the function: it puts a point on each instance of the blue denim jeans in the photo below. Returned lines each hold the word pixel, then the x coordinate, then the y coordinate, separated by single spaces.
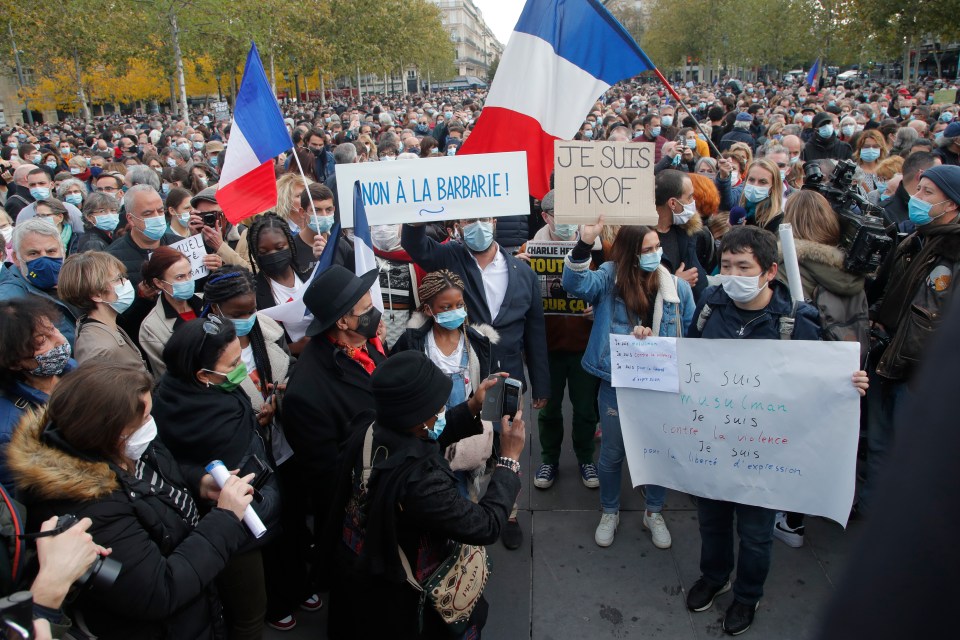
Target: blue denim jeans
pixel 613 454
pixel 755 528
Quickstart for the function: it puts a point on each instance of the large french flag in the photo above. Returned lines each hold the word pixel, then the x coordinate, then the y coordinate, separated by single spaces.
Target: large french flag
pixel 363 257
pixel 562 56
pixel 248 184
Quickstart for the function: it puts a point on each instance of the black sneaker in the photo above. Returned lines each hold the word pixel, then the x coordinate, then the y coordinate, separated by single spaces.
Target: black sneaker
pixel 739 617
pixel 702 594
pixel 512 535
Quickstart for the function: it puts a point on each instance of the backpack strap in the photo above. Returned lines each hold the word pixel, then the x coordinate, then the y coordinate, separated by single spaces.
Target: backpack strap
pixel 703 317
pixel 788 322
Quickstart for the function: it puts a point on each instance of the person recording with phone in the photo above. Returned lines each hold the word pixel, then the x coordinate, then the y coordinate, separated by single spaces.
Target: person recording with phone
pixel 392 531
pixel 94 453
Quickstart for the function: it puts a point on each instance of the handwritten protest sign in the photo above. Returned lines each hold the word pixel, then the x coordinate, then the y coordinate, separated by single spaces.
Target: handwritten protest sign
pixel 772 423
pixel 613 179
pixel 546 260
pixel 484 185
pixel 945 96
pixel 221 111
pixel 194 250
pixel 650 363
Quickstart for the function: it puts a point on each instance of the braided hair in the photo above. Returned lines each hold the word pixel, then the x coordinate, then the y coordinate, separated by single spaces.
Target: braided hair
pixel 435 283
pixel 268 222
pixel 229 282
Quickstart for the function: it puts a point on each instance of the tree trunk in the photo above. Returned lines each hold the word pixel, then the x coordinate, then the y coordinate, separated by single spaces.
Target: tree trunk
pixel 906 60
pixel 323 90
pixel 173 96
pixel 178 63
pixel 359 84
pixel 916 63
pixel 233 91
pixel 936 57
pixel 273 74
pixel 81 93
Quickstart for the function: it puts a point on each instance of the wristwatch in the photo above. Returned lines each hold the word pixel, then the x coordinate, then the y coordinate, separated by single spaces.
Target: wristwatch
pixel 509 463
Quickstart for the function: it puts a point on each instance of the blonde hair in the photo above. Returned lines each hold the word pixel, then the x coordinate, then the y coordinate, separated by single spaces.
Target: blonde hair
pixel 84 275
pixel 742 148
pixel 876 136
pixel 773 205
pixel 889 166
pixel 287 184
pixel 812 218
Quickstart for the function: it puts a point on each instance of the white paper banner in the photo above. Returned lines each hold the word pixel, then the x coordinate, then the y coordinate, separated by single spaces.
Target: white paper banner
pixel 194 249
pixel 484 185
pixel 650 363
pixel 773 423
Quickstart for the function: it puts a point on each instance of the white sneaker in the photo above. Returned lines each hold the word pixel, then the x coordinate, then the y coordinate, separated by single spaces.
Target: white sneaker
pixel 658 530
pixel 606 529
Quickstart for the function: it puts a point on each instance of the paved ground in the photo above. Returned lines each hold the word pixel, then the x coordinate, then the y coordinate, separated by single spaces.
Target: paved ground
pixel 561 585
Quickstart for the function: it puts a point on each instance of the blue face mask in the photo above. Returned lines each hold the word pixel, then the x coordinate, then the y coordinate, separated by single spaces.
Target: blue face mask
pixel 107 222
pixel 182 290
pixel 755 194
pixel 904 111
pixel 870 154
pixel 650 261
pixel 666 121
pixel 155 227
pixel 438 427
pixel 946 116
pixel 565 231
pixel 655 131
pixel 478 236
pixel 320 224
pixel 245 325
pixel 826 131
pixel 40 193
pixel 43 272
pixel 451 319
pixel 588 134
pixel 73 198
pixel 919 211
pixel 214 161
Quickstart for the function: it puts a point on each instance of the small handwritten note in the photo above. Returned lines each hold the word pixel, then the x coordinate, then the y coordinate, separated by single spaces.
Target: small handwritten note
pixel 650 363
pixel 194 249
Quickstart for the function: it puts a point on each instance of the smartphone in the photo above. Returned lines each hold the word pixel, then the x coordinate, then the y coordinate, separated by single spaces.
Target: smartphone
pixel 512 391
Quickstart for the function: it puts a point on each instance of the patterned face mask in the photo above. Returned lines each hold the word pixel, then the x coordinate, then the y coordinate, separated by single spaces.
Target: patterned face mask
pixel 52 362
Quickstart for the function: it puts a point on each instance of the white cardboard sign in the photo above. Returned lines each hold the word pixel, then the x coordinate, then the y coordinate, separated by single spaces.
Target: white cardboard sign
pixel 194 249
pixel 483 185
pixel 772 423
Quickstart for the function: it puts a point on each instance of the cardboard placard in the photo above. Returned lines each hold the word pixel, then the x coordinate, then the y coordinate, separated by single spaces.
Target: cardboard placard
pixel 945 96
pixel 483 185
pixel 613 179
pixel 221 111
pixel 194 249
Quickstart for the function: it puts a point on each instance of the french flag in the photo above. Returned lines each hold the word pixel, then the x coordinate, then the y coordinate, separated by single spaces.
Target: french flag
pixel 248 184
pixel 562 55
pixel 364 260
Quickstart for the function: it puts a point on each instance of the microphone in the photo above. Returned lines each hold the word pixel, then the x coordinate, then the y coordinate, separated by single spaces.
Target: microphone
pixel 738 215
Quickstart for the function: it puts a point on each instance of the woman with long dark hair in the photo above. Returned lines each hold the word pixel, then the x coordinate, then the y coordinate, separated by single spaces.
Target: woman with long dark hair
pixel 630 294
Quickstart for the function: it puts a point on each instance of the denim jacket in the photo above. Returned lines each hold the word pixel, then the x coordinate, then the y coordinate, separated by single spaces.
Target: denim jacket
pixel 673 309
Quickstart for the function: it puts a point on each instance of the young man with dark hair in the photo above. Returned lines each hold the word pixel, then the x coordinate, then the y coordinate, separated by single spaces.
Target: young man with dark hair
pixel 749 304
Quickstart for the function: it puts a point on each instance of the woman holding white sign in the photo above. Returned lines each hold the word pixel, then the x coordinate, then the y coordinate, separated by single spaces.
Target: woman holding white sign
pixel 632 293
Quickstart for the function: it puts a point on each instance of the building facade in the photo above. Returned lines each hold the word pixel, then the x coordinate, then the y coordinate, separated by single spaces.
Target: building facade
pixel 476 46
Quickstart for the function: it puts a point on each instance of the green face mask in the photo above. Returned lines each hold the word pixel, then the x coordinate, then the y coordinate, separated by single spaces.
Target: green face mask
pixel 234 377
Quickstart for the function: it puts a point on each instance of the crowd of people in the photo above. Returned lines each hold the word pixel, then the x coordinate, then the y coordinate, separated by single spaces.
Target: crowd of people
pixel 355 434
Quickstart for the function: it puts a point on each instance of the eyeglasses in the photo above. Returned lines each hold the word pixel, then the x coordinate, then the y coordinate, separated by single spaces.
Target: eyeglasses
pixel 212 326
pixel 107 189
pixel 104 212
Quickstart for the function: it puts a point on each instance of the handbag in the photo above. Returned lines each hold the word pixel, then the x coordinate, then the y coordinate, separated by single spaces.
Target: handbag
pixel 454 589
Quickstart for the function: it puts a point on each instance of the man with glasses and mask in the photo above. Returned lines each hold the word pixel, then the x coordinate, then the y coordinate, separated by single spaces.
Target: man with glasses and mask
pixel 330 385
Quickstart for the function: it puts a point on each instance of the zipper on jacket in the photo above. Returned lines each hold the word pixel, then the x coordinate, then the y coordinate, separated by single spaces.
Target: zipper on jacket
pixel 744 327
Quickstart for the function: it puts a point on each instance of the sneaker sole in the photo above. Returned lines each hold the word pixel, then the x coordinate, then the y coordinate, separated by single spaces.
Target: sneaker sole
pixel 601 544
pixel 790 539
pixel 745 629
pixel 590 484
pixel 722 591
pixel 542 484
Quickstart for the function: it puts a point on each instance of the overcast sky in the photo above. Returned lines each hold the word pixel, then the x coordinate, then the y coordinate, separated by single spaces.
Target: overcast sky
pixel 501 16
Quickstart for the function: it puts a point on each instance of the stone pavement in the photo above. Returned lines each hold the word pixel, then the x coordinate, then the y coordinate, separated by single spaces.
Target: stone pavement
pixel 560 585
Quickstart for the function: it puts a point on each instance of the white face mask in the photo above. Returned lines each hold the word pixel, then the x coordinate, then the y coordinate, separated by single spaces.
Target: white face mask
pixel 689 210
pixel 742 289
pixel 138 441
pixel 385 237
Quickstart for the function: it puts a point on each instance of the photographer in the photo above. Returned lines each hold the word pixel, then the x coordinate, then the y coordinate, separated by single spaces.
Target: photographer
pixel 921 271
pixel 94 453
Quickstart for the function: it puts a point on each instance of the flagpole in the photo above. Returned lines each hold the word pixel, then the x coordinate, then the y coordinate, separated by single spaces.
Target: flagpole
pixel 305 183
pixel 676 97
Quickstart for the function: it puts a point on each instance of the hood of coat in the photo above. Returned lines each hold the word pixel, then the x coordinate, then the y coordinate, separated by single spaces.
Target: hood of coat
pixel 823 265
pixel 49 473
pixel 419 320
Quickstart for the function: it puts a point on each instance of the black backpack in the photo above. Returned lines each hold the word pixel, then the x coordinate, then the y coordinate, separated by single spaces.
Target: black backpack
pixel 15 553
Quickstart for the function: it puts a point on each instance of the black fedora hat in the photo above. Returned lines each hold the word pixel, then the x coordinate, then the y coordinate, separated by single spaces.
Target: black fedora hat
pixel 332 295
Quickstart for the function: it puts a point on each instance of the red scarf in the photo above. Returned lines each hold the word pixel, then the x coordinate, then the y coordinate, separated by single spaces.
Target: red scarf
pixel 359 354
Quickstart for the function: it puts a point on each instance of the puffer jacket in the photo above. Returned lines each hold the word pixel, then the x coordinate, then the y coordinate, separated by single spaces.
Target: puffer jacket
pixel 724 321
pixel 165 589
pixel 672 312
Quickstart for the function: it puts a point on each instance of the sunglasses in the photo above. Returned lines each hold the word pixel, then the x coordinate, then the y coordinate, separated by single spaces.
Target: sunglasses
pixel 212 326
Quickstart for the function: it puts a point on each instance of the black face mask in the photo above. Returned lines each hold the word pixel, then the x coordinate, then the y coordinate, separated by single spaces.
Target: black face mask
pixel 276 263
pixel 368 323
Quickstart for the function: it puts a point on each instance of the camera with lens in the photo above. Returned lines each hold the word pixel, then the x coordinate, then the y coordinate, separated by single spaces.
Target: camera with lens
pixel 863 234
pixel 16 612
pixel 101 574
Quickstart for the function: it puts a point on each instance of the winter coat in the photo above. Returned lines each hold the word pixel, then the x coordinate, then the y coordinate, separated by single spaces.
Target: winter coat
pixel 165 587
pixel 673 309
pixel 896 210
pixel 412 502
pixel 822 266
pixel 923 276
pixel 93 239
pixel 13 285
pixel 157 328
pixel 832 149
pixel 520 319
pixel 725 321
pixel 96 341
pixel 512 231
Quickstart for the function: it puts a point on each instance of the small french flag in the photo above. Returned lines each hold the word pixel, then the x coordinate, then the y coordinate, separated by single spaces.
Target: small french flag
pixel 562 56
pixel 248 183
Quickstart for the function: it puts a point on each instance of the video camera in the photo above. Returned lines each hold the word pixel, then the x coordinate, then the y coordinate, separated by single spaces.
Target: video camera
pixel 863 234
